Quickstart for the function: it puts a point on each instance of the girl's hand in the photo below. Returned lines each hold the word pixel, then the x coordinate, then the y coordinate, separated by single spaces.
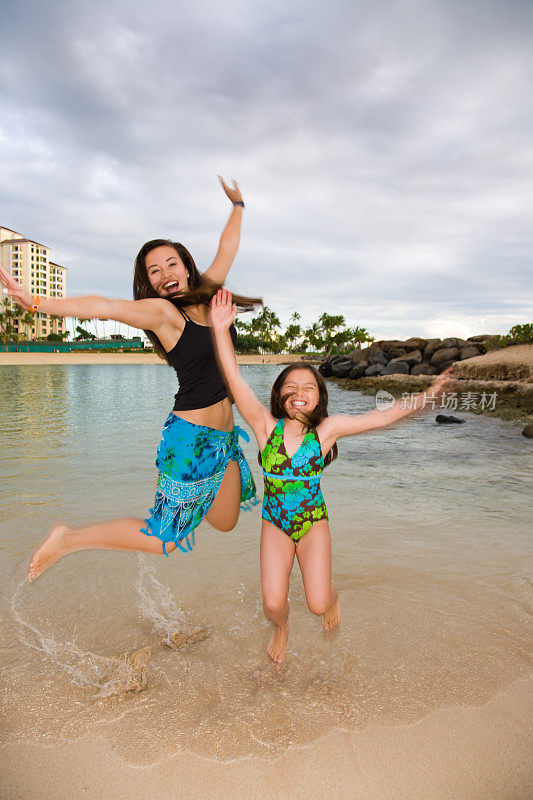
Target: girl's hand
pixel 442 381
pixel 222 310
pixel 233 194
pixel 15 290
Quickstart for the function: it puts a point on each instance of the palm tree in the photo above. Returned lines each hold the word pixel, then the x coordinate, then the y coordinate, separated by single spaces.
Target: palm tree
pixel 25 320
pixel 315 336
pixel 8 329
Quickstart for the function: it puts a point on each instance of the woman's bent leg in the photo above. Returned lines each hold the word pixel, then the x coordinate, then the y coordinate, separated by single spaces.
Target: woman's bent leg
pixel 314 556
pixel 277 558
pixel 118 534
pixel 224 511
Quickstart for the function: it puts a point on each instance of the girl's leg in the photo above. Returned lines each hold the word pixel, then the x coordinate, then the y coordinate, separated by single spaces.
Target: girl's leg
pixel 118 534
pixel 224 511
pixel 313 552
pixel 277 557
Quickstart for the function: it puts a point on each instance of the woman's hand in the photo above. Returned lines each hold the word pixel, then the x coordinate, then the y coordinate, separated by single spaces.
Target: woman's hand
pixel 233 194
pixel 15 290
pixel 222 310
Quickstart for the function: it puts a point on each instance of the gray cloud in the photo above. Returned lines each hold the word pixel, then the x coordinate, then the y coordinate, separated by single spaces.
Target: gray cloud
pixel 384 149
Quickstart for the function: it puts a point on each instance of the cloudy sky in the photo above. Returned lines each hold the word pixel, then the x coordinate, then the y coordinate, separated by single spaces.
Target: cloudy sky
pixel 384 149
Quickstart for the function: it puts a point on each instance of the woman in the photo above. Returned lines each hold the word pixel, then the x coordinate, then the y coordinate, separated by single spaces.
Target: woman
pixel 202 471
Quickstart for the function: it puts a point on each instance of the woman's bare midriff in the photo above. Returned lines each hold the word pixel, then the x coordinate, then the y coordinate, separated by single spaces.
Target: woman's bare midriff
pixel 218 416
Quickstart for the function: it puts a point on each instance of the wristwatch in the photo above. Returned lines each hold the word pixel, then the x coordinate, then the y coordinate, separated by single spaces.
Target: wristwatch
pixel 239 203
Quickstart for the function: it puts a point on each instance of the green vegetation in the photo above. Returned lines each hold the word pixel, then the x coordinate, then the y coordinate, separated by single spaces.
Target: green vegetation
pixel 519 334
pixel 83 335
pixel 13 320
pixel 329 335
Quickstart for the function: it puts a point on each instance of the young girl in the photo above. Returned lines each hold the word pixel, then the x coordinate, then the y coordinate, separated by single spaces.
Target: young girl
pixel 202 470
pixel 297 440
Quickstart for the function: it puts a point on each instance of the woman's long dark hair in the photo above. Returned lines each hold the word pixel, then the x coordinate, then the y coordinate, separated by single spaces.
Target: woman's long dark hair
pixel 201 289
pixel 278 402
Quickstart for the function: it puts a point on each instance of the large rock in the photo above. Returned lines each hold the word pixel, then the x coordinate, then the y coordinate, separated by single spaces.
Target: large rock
pixel 391 344
pixel 469 352
pixel 396 352
pixel 482 337
pixel 432 346
pixel 452 341
pixel 374 370
pixel 446 354
pixel 325 369
pixel 415 357
pixel 397 368
pixel 359 370
pixel 378 357
pixel 415 343
pixel 342 369
pixel 424 369
pixel 359 354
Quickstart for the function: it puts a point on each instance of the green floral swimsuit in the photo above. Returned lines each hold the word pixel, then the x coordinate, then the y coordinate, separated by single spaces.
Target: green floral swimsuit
pixel 293 499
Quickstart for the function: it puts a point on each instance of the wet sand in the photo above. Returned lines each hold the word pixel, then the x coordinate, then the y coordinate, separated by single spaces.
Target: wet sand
pixel 457 753
pixel 33 359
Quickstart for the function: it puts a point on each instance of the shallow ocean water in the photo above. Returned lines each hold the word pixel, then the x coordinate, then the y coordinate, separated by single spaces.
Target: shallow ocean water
pixel 432 558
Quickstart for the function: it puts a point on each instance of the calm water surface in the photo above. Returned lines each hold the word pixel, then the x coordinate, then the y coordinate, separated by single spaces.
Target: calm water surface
pixel 431 535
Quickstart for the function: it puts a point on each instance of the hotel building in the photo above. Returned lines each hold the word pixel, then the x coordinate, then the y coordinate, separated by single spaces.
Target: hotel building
pixel 30 265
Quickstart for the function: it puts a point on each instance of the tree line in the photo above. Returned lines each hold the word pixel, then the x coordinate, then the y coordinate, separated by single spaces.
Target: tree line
pixel 329 334
pixel 261 334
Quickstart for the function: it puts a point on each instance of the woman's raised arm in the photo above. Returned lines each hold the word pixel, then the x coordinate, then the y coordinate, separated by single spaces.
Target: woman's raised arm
pixel 230 239
pixel 256 415
pixel 147 314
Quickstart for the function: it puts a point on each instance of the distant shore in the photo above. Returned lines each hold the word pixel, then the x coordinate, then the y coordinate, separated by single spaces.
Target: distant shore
pixel 506 374
pixel 34 359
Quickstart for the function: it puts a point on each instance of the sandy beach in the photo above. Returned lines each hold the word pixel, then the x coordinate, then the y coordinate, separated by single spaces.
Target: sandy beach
pixel 457 753
pixel 425 694
pixel 34 359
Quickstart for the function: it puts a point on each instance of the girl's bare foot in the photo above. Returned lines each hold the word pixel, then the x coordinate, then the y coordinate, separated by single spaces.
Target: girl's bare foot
pixel 332 617
pixel 54 547
pixel 278 643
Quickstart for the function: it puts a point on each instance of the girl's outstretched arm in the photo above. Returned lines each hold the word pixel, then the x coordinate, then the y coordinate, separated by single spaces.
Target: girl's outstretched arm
pixel 344 425
pixel 256 415
pixel 148 314
pixel 230 239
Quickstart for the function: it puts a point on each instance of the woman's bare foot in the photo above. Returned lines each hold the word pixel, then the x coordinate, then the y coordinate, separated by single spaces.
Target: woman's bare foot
pixel 54 547
pixel 278 643
pixel 332 617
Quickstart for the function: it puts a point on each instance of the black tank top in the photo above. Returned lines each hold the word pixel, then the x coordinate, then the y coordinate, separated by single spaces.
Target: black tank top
pixel 193 358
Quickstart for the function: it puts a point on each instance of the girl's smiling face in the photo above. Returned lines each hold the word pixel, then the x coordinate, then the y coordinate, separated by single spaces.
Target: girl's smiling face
pixel 166 271
pixel 299 393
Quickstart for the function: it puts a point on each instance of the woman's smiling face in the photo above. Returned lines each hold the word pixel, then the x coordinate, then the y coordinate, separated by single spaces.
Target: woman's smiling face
pixel 299 392
pixel 166 271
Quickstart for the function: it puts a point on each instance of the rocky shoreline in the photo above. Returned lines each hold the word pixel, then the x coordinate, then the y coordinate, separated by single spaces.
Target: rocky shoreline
pixel 498 383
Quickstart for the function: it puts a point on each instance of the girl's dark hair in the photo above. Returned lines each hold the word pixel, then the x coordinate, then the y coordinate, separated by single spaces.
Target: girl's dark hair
pixel 201 289
pixel 313 418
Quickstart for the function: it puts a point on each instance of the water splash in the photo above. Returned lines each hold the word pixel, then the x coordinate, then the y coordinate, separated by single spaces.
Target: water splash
pixel 84 667
pixel 108 674
pixel 158 606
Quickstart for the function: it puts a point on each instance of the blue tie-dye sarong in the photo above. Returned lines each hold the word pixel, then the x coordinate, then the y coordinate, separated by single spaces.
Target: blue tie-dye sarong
pixel 192 461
